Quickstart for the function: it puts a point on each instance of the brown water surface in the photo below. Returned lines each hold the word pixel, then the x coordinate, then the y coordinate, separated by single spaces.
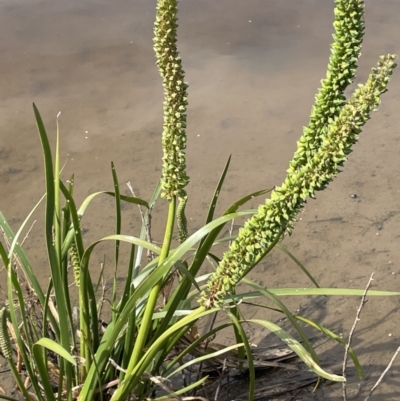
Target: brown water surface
pixel 253 68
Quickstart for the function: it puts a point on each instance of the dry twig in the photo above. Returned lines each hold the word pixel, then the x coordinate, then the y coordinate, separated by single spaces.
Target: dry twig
pixel 146 224
pixel 356 320
pixel 103 289
pixel 220 381
pixel 27 234
pixel 158 380
pixel 230 232
pixel 383 374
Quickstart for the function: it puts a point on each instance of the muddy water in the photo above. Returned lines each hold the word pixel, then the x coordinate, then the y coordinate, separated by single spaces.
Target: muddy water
pixel 253 69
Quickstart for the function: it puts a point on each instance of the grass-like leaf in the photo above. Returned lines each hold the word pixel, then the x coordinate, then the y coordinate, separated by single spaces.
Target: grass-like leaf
pixel 243 336
pixel 298 263
pixel 286 311
pixel 296 346
pixel 199 359
pixel 335 337
pixel 55 347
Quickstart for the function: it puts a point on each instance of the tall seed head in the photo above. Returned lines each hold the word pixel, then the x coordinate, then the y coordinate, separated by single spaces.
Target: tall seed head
pixel 174 178
pixel 279 212
pixel 341 71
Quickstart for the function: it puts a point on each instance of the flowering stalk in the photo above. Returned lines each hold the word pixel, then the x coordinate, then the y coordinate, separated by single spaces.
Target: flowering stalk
pixel 342 66
pixel 175 99
pixel 174 177
pixel 279 213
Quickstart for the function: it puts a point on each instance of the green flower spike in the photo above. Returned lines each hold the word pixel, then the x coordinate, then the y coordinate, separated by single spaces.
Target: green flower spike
pixel 279 213
pixel 76 263
pixel 174 178
pixel 342 66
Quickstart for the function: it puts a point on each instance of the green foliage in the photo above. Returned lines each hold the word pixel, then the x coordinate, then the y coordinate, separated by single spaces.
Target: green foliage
pixel 66 349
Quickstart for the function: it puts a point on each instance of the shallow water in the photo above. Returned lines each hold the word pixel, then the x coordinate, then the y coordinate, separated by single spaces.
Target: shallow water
pixel 253 68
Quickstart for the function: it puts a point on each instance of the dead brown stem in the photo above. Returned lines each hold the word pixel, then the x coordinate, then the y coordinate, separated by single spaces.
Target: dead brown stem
pixel 356 320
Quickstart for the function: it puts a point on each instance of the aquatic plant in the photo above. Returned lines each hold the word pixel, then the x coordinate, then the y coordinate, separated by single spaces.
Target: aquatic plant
pixel 69 352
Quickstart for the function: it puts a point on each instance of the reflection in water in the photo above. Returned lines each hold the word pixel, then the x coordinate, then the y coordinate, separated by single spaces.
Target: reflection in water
pixel 253 68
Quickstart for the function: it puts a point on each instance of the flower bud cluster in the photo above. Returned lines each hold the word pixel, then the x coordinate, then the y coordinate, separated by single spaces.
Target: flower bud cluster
pixel 174 178
pixel 279 212
pixel 345 51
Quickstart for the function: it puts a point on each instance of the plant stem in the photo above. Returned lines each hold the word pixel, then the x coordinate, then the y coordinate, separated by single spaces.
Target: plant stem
pixel 135 374
pixel 154 294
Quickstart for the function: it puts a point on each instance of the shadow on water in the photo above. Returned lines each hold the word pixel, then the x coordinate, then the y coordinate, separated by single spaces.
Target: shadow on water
pixel 253 69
